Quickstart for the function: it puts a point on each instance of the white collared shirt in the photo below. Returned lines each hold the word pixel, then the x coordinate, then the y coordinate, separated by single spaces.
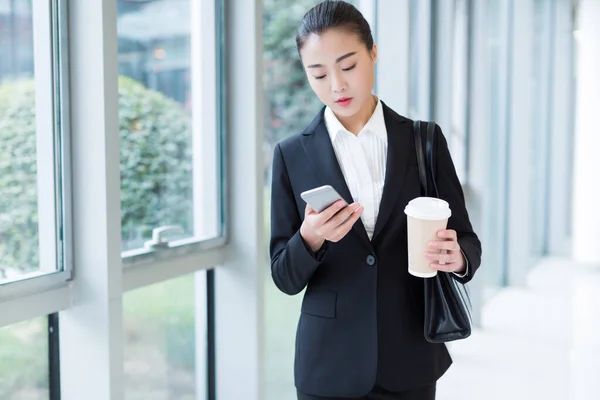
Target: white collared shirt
pixel 362 159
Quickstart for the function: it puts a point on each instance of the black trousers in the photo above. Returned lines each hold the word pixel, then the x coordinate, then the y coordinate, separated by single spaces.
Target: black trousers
pixel 378 393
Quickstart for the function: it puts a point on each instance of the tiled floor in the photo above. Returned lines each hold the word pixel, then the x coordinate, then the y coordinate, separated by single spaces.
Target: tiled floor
pixel 537 342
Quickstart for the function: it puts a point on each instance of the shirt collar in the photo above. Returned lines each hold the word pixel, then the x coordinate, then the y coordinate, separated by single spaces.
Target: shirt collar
pixel 376 123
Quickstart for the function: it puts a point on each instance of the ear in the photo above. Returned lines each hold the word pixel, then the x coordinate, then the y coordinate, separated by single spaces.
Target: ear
pixel 374 53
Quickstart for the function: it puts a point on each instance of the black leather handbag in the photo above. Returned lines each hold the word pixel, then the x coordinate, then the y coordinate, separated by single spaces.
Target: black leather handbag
pixel 447 302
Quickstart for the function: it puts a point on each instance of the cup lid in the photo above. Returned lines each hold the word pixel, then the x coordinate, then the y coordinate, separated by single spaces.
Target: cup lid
pixel 428 208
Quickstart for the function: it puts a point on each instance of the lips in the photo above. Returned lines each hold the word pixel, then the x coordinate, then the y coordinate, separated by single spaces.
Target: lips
pixel 344 101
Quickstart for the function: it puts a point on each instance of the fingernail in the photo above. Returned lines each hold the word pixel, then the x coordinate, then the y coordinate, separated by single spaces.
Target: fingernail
pixel 356 207
pixel 433 244
pixel 441 234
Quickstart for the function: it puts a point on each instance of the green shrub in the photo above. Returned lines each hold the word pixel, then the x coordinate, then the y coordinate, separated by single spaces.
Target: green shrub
pixel 156 168
pixel 156 162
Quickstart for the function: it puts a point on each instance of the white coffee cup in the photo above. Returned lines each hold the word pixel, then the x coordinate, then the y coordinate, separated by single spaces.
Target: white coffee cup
pixel 426 216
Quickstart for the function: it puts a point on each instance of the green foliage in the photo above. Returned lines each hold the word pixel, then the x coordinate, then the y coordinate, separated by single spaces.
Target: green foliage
pixel 156 168
pixel 23 358
pixel 154 317
pixel 290 102
pixel 18 183
pixel 156 162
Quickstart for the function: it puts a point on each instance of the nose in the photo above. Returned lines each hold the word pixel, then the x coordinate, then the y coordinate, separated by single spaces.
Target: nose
pixel 338 84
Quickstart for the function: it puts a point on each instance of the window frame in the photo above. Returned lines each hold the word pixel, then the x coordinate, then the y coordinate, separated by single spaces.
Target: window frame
pixel 49 20
pixel 206 117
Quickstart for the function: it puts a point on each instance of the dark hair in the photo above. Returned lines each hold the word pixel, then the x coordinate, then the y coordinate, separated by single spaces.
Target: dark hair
pixel 332 14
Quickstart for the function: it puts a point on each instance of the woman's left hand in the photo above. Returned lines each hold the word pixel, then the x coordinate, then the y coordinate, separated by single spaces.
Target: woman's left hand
pixel 445 254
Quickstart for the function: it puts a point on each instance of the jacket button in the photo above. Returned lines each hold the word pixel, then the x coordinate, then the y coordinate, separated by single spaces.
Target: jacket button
pixel 370 260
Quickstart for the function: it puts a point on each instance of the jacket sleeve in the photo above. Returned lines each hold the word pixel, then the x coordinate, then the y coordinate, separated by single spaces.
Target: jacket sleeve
pixel 292 261
pixel 450 189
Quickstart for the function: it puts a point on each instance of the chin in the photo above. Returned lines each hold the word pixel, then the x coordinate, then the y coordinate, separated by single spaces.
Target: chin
pixel 344 111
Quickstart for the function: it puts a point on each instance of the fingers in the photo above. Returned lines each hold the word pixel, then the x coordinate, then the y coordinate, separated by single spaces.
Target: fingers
pixel 442 258
pixel 444 267
pixel 446 262
pixel 308 210
pixel 448 234
pixel 330 211
pixel 448 245
pixel 342 229
pixel 343 215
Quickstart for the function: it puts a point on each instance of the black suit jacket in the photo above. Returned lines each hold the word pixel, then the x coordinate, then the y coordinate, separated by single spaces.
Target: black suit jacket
pixel 362 312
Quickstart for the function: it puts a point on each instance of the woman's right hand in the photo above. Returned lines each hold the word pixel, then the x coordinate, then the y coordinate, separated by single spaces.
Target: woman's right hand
pixel 331 224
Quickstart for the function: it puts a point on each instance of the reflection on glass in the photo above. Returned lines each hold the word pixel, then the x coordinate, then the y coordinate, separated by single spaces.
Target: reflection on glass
pixel 155 120
pixel 290 105
pixel 458 134
pixel 19 227
pixel 541 90
pixel 414 70
pixel 24 360
pixel 495 227
pixel 160 348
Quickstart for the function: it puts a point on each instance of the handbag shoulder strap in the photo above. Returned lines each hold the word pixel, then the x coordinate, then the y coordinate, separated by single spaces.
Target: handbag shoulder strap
pixel 425 158
pixel 420 157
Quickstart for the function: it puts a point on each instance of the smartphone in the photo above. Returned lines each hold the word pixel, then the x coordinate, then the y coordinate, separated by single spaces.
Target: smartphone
pixel 320 198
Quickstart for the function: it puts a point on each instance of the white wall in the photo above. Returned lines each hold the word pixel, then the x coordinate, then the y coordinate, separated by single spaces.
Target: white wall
pixel 586 202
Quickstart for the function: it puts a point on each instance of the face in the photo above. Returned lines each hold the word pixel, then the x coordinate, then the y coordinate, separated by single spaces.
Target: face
pixel 340 70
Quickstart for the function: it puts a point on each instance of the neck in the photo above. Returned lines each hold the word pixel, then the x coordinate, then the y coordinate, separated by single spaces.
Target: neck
pixel 356 122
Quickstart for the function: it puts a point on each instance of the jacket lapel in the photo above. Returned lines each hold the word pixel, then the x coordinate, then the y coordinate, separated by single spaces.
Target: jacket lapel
pixel 318 148
pixel 398 156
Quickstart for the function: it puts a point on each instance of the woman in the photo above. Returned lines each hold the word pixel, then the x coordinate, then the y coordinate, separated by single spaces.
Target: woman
pixel 360 334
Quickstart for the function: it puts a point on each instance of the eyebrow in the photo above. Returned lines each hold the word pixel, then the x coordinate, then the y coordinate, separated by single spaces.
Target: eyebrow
pixel 337 61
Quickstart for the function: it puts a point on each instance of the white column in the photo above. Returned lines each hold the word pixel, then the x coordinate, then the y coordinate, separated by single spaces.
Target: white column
pixel 519 142
pixel 477 185
pixel 442 69
pixel 423 54
pixel 239 285
pixel 91 331
pixel 561 147
pixel 393 39
pixel 367 9
pixel 586 201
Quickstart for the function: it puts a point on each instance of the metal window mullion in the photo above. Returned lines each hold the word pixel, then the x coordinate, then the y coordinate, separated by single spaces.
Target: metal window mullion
pixel 204 119
pixel 63 129
pixel 45 134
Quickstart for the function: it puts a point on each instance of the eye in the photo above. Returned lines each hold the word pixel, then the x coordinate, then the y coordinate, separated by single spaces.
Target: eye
pixel 320 77
pixel 349 69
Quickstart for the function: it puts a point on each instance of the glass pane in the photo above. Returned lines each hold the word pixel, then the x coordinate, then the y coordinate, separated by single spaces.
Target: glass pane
pixel 415 47
pixel 458 138
pixel 495 226
pixel 160 340
pixel 26 167
pixel 290 105
pixel 24 360
pixel 540 79
pixel 161 145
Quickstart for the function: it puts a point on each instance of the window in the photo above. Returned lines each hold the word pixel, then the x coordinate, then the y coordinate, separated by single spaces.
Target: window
pixel 24 368
pixel 419 54
pixel 165 339
pixel 495 231
pixel 290 105
pixel 170 146
pixel 540 140
pixel 33 144
pixel 460 86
